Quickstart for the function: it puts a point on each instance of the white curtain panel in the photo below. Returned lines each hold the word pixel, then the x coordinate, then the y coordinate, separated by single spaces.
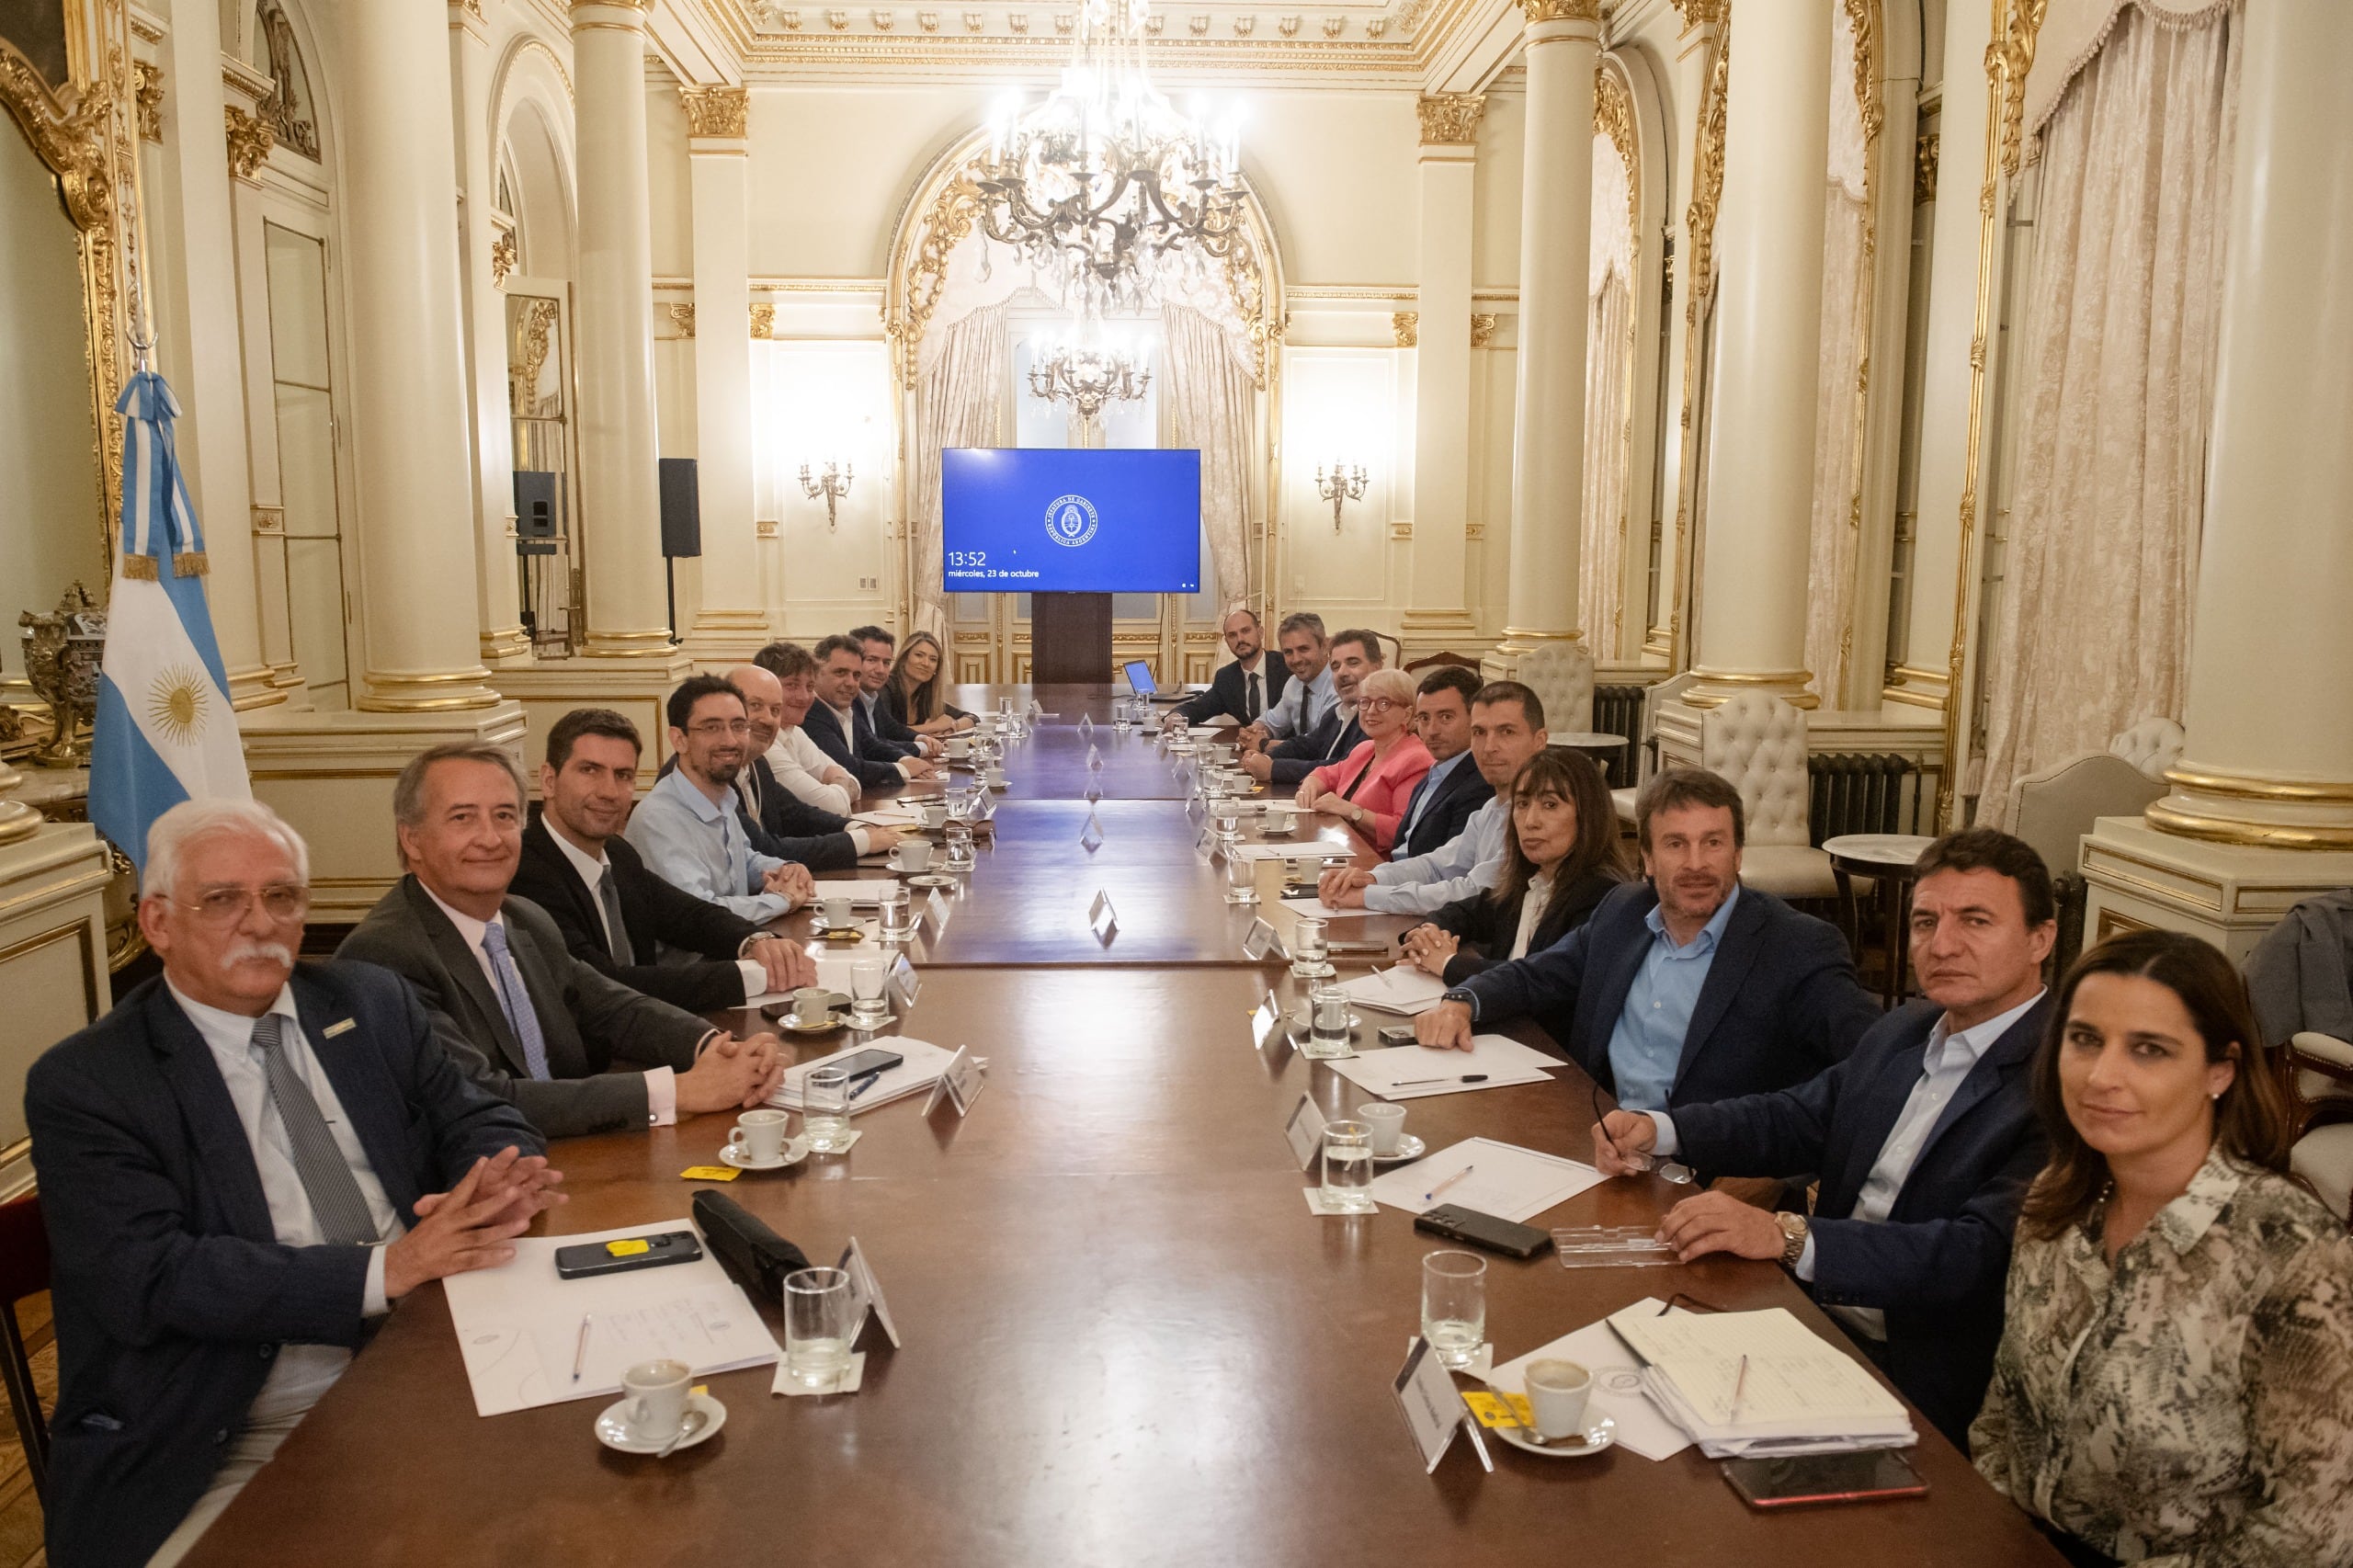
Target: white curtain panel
pixel 2115 392
pixel 1609 352
pixel 1212 404
pixel 959 398
pixel 1845 314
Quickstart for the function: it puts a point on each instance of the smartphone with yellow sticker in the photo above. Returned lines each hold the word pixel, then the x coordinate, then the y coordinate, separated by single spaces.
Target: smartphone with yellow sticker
pixel 625 1253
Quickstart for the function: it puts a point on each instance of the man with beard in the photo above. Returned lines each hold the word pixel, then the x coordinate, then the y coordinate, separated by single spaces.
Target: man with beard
pixel 1684 987
pixel 687 829
pixel 1244 690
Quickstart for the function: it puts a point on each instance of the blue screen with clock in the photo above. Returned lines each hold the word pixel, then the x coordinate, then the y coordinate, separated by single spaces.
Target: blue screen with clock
pixel 1053 520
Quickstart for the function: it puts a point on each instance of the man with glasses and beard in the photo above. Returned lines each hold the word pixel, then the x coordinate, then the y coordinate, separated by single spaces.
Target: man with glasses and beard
pixel 687 827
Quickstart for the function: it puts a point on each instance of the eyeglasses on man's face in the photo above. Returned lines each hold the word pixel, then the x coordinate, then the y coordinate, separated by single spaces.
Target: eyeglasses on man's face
pixel 225 906
pixel 720 729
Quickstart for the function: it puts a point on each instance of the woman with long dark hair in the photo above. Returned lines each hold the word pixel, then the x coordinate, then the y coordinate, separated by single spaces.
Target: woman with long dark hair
pixel 2175 1379
pixel 917 693
pixel 1561 858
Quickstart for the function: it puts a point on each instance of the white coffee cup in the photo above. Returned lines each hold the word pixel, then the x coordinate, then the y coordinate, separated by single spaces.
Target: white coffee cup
pixel 957 745
pixel 811 1005
pixel 1388 1124
pixel 1276 819
pixel 658 1399
pixel 1557 1392
pixel 912 854
pixel 758 1135
pixel 838 912
pixel 934 814
pixel 994 777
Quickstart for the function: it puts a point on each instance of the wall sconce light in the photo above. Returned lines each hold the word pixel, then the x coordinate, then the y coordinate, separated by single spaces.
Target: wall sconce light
pixel 1345 484
pixel 833 484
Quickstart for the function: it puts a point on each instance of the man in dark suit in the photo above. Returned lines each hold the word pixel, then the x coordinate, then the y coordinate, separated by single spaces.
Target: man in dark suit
pixel 1244 689
pixel 1356 654
pixel 618 918
pixel 827 840
pixel 543 1029
pixel 881 650
pixel 1443 802
pixel 1684 987
pixel 1924 1139
pixel 241 1166
pixel 836 724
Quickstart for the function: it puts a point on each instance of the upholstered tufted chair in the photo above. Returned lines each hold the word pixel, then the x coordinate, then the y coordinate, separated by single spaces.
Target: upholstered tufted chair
pixel 1561 674
pixel 2321 1072
pixel 2152 745
pixel 1646 745
pixel 1758 743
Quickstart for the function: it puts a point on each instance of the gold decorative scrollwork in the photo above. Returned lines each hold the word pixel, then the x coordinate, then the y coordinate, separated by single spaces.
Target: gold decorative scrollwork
pixel 1450 118
pixel 503 254
pixel 1701 13
pixel 1483 328
pixel 1924 167
pixel 762 321
pixel 250 140
pixel 2011 56
pixel 149 94
pixel 1561 10
pixel 1613 116
pixel 1407 327
pixel 537 326
pixel 717 111
pixel 682 316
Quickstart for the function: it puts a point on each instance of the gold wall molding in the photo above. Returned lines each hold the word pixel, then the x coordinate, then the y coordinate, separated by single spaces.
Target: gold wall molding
pixel 1700 231
pixel 1613 116
pixel 1561 10
pixel 1924 167
pixel 268 519
pixel 1701 13
pixel 764 321
pixel 717 112
pixel 2185 822
pixel 1407 327
pixel 682 316
pixel 1450 119
pixel 2015 42
pixel 149 93
pixel 1483 328
pixel 503 254
pixel 2247 787
pixel 250 140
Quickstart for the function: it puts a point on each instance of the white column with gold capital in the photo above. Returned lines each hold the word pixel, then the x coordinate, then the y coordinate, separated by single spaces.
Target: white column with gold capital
pixel 408 383
pixel 1564 46
pixel 1769 322
pixel 620 503
pixel 733 621
pixel 1440 615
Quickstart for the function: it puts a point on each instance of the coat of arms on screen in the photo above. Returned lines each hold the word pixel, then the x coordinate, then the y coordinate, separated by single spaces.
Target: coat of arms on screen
pixel 1070 520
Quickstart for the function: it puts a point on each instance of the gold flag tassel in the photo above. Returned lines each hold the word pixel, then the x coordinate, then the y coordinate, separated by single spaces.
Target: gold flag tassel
pixel 140 568
pixel 189 563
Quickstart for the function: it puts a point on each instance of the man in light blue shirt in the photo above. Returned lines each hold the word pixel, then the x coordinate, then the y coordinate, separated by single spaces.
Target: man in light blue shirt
pixel 1308 695
pixel 1647 1044
pixel 1506 731
pixel 687 828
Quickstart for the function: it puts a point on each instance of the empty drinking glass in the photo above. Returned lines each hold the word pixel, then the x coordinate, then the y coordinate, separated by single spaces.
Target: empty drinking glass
pixel 1347 1167
pixel 817 1327
pixel 865 977
pixel 825 1107
pixel 1454 1301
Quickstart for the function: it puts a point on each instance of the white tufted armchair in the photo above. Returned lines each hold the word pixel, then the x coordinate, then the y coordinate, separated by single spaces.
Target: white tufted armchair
pixel 1561 674
pixel 2320 1073
pixel 2152 745
pixel 1646 744
pixel 1758 742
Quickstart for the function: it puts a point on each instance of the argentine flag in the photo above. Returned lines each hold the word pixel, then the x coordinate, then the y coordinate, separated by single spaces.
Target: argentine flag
pixel 165 731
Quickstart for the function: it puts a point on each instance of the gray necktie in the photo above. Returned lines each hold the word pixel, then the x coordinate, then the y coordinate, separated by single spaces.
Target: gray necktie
pixel 336 1200
pixel 608 893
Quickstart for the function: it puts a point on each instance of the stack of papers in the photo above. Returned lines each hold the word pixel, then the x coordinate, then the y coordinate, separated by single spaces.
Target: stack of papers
pixel 1506 1180
pixel 1413 1073
pixel 1314 849
pixel 1799 1395
pixel 1399 989
pixel 519 1325
pixel 924 1064
pixel 1617 1384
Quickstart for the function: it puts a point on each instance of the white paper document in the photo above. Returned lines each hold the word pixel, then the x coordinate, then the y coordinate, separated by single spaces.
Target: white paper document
pixel 1506 1180
pixel 1316 909
pixel 864 893
pixel 1396 989
pixel 924 1064
pixel 1314 849
pixel 1415 1073
pixel 1761 1382
pixel 1617 1385
pixel 519 1325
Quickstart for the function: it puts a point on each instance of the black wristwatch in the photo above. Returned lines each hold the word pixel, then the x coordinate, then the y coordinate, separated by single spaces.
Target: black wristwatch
pixel 1467 998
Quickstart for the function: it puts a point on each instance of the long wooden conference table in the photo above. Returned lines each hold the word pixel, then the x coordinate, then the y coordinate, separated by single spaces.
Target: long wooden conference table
pixel 1128 1342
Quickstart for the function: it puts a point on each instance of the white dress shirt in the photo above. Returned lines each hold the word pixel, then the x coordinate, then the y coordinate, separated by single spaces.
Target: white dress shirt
pixel 755 976
pixel 849 728
pixel 1463 866
pixel 661 1083
pixel 1531 911
pixel 1945 1064
pixel 301 1373
pixel 800 765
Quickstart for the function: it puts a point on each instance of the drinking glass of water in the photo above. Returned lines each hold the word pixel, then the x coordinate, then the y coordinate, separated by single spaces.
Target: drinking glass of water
pixel 1347 1167
pixel 898 913
pixel 817 1327
pixel 1241 879
pixel 865 978
pixel 1454 1300
pixel 959 847
pixel 1309 955
pixel 824 1108
pixel 1327 1022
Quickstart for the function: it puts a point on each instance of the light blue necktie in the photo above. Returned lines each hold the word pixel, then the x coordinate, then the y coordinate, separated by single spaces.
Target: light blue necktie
pixel 515 1001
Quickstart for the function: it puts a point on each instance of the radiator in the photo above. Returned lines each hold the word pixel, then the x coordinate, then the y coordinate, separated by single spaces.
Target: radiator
pixel 1618 711
pixel 1862 793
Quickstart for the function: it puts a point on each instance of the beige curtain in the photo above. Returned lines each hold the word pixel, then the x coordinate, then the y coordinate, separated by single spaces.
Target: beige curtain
pixel 1846 318
pixel 1608 356
pixel 2115 391
pixel 1212 404
pixel 959 399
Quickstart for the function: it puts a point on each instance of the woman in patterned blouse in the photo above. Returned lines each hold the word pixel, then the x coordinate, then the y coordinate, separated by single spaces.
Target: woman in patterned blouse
pixel 2175 1381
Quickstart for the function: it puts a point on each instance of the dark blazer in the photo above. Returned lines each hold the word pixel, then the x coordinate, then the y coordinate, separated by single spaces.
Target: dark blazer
pixel 787 827
pixel 1229 690
pixel 1938 1264
pixel 876 721
pixel 1458 795
pixel 171 1290
pixel 1779 1004
pixel 870 761
pixel 1330 741
pixel 656 914
pixel 896 701
pixel 1488 930
pixel 587 1021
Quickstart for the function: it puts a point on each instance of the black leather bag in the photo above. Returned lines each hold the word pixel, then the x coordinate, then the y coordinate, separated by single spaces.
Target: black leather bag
pixel 756 1256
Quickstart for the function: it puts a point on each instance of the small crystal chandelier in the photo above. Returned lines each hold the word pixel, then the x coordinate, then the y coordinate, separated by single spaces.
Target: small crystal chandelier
pixel 1101 183
pixel 1088 373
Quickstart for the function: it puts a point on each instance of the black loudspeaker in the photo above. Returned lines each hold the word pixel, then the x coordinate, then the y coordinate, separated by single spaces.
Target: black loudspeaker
pixel 535 503
pixel 681 508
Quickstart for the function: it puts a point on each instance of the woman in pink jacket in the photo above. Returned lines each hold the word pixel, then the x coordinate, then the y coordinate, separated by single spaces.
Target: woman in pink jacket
pixel 1371 788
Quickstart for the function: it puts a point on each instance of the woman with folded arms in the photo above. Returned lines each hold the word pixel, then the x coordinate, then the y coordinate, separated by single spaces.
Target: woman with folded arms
pixel 1561 855
pixel 917 693
pixel 1371 788
pixel 2175 1381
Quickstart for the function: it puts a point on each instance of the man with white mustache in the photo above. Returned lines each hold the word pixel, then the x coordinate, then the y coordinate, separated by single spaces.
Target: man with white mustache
pixel 241 1166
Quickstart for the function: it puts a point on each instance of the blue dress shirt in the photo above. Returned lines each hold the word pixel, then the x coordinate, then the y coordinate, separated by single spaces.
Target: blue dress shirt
pixel 1646 1047
pixel 1302 703
pixel 690 843
pixel 1465 865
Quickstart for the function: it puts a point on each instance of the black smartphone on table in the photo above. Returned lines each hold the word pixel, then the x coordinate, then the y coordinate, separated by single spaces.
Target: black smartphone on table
pixel 1800 1479
pixel 1493 1232
pixel 624 1253
pixel 866 1061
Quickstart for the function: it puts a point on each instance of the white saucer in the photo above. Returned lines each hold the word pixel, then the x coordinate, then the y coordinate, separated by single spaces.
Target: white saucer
pixel 1598 1437
pixel 613 1431
pixel 1408 1148
pixel 819 924
pixel 795 1151
pixel 931 880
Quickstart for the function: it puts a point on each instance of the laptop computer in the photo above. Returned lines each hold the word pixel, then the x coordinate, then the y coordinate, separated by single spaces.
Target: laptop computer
pixel 1140 681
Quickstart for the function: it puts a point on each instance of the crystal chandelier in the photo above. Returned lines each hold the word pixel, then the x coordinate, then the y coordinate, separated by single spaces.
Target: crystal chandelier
pixel 1087 375
pixel 1104 183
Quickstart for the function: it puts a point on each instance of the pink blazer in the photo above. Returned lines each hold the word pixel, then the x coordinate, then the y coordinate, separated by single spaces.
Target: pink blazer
pixel 1385 792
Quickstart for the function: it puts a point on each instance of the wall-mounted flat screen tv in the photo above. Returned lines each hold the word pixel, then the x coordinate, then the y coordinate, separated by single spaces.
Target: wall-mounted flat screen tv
pixel 1052 519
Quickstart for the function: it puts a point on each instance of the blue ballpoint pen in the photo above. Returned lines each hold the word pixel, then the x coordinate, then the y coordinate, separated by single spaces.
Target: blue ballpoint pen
pixel 864 1082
